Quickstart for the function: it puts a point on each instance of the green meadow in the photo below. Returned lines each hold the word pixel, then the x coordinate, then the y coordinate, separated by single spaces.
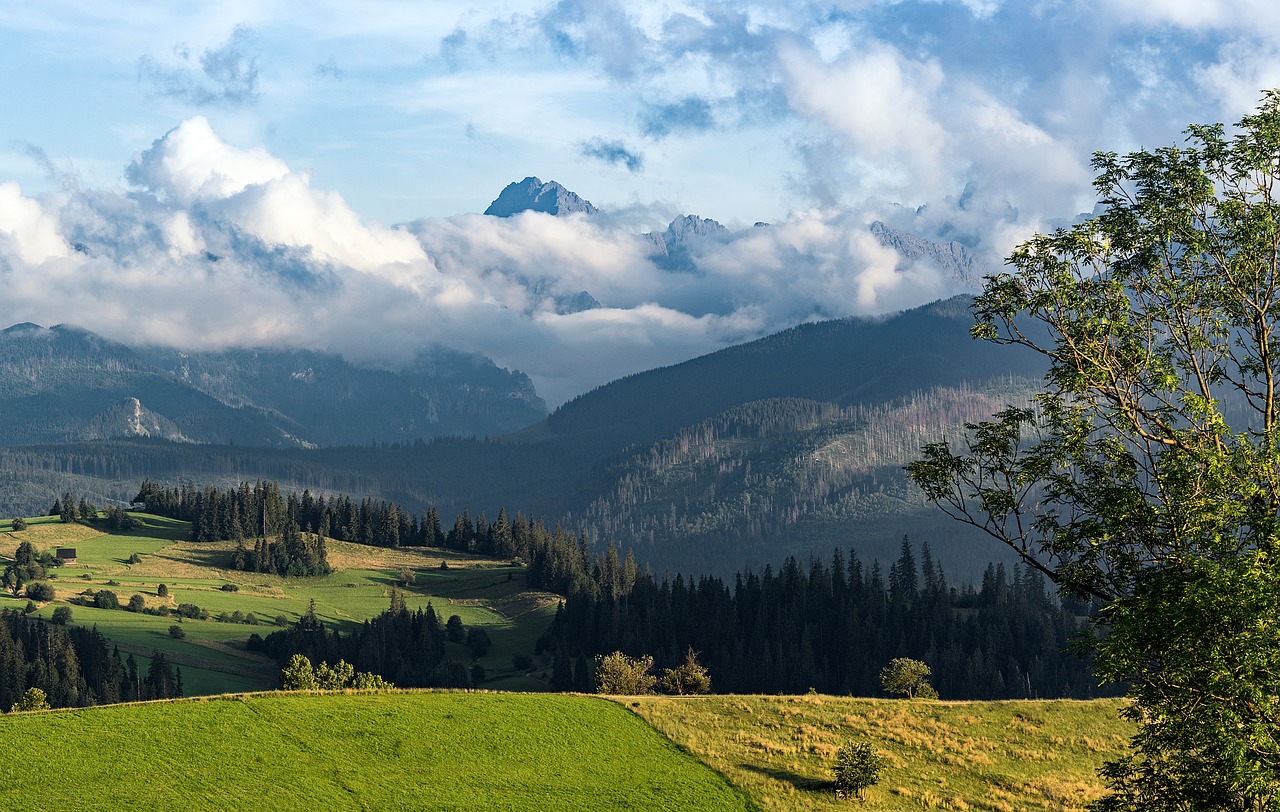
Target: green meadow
pixel 213 654
pixel 404 750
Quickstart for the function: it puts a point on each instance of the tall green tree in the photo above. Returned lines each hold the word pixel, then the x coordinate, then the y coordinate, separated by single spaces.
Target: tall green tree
pixel 1147 474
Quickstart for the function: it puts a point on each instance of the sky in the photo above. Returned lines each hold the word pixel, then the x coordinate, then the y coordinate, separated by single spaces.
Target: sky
pixel 234 173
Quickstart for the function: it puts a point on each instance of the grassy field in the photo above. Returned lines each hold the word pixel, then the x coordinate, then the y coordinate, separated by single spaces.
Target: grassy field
pixel 212 655
pixel 1000 756
pixel 407 750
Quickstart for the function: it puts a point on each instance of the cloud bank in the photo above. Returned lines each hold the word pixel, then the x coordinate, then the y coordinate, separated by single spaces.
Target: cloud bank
pixel 214 245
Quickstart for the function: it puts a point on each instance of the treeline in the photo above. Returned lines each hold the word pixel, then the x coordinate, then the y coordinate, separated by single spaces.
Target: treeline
pixel 557 560
pixel 833 627
pixel 401 646
pixel 74 667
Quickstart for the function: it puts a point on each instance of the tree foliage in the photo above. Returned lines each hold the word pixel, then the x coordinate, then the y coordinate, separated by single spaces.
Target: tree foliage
pixel 617 673
pixel 857 768
pixel 904 675
pixel 690 677
pixel 1147 475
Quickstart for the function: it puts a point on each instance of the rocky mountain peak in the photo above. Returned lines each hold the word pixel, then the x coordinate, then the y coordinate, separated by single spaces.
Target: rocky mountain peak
pixel 531 194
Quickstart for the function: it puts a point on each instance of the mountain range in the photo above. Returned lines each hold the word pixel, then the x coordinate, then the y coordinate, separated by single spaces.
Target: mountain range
pixel 793 443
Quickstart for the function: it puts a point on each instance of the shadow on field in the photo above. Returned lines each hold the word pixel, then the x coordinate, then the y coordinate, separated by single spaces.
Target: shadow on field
pixel 800 782
pixel 214 559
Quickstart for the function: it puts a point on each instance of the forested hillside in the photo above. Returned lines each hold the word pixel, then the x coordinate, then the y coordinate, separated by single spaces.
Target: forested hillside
pixel 787 445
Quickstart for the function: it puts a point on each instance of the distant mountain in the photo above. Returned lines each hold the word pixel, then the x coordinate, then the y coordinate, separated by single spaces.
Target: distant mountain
pixel 792 444
pixel 671 247
pixel 531 194
pixel 953 257
pixel 64 384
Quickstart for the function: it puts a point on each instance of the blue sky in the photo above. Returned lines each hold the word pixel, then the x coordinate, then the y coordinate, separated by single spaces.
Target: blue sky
pixel 287 139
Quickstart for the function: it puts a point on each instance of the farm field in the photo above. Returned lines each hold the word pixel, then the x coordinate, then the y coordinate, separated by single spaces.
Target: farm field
pixel 1000 756
pixel 403 750
pixel 212 654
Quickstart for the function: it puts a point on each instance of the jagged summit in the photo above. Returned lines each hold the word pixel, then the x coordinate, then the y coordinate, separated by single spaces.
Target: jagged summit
pixel 531 194
pixel 670 249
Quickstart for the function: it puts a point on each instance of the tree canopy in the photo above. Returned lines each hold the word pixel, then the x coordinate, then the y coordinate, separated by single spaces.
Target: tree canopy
pixel 1147 474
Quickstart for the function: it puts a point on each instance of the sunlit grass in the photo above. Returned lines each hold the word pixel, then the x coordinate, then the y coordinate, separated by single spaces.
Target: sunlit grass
pixel 1002 756
pixel 417 750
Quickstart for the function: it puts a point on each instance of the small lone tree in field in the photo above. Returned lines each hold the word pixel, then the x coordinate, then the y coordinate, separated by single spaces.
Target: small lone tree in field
pixel 904 675
pixel 857 767
pixel 617 673
pixel 690 677
pixel 61 615
pixel 33 700
pixel 19 523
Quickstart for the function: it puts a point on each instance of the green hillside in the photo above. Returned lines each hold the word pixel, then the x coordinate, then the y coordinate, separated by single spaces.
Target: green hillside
pixel 418 750
pixel 479 751
pixel 213 654
pixel 790 444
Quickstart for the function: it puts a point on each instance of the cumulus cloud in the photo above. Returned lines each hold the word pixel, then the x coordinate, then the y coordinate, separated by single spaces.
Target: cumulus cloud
pixel 226 75
pixel 217 245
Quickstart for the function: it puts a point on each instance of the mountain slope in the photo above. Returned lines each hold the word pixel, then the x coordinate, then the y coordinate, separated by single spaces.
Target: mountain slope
pixel 65 384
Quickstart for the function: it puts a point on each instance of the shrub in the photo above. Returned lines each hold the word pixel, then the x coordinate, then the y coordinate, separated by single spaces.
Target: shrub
pixel 298 674
pixel 281 620
pixel 478 641
pixel 19 524
pixel 230 588
pixel 177 632
pixel 857 767
pixel 137 603
pixel 162 591
pixel 106 599
pixel 690 677
pixel 134 559
pixel 31 607
pixel 40 591
pixel 62 615
pixel 33 700
pixel 617 673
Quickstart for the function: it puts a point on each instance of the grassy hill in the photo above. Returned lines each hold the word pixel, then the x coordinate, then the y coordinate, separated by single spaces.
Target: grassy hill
pixel 1000 756
pixel 479 751
pixel 213 656
pixel 413 750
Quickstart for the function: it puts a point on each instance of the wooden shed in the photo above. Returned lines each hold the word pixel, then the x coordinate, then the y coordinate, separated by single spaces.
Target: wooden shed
pixel 66 555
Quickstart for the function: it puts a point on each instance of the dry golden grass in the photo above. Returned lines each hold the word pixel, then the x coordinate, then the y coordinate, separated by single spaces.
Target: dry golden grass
pixel 1001 756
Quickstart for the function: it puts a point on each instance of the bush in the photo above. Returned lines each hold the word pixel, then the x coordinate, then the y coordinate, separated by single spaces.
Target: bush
pixel 619 674
pixel 40 591
pixel 688 678
pixel 162 591
pixel 134 559
pixel 31 607
pixel 19 524
pixel 230 588
pixel 177 632
pixel 478 641
pixel 62 615
pixel 857 767
pixel 454 629
pixel 33 700
pixel 106 599
pixel 137 603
